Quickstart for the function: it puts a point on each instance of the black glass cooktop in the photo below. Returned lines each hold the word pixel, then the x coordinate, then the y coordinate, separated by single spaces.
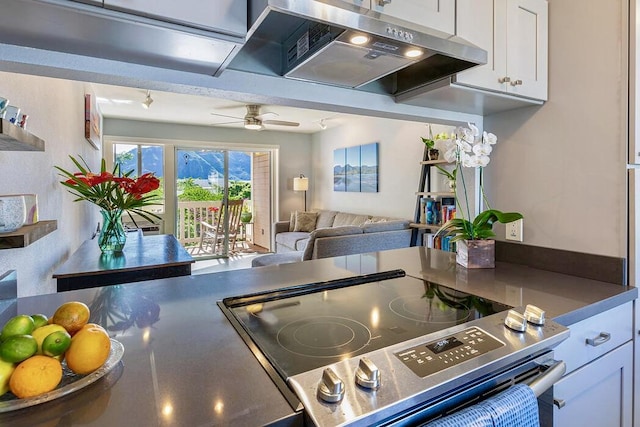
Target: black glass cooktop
pixel 303 328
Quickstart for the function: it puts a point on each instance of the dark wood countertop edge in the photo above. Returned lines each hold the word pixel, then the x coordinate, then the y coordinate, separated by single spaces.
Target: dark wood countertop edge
pixel 133 268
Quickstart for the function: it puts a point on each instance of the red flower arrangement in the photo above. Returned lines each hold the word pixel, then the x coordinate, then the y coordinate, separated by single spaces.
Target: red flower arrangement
pixel 112 191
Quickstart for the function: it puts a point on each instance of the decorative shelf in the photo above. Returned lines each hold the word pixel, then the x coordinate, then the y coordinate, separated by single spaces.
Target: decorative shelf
pixel 14 138
pixel 436 193
pixel 435 162
pixel 27 234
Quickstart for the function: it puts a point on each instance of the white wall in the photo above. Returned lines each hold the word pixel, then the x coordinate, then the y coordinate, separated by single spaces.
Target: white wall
pixel 294 149
pixel 56 114
pixel 562 165
pixel 400 151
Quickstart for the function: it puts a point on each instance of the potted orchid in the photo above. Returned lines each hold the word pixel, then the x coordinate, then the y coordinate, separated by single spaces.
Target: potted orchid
pixel 475 249
pixel 115 193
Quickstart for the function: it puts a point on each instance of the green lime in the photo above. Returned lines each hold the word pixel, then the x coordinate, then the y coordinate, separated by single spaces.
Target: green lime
pixel 17 348
pixel 39 320
pixel 56 343
pixel 18 325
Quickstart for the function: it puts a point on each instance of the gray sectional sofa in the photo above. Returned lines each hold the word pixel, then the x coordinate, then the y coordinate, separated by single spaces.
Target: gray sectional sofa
pixel 325 233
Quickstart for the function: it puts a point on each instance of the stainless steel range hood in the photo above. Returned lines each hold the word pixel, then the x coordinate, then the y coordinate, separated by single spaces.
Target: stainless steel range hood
pixel 312 40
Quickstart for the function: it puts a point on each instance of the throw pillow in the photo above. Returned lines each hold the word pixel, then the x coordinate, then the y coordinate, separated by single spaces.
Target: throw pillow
pixel 305 221
pixel 292 221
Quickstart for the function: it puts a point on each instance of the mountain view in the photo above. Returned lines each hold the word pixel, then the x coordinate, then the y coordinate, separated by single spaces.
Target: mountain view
pixel 192 164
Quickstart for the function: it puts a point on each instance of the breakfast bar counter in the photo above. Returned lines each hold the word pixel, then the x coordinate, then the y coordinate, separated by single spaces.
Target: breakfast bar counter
pixel 143 258
pixel 185 365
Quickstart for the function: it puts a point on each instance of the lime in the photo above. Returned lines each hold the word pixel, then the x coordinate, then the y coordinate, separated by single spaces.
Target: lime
pixel 41 333
pixel 56 343
pixel 17 348
pixel 18 325
pixel 39 320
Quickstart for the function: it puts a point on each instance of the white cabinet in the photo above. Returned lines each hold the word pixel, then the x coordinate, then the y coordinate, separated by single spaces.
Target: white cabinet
pixel 598 388
pixel 598 394
pixel 514 34
pixel 636 366
pixel 437 14
pixel 225 16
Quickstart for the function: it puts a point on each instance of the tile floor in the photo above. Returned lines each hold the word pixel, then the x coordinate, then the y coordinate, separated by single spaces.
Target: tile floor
pixel 235 261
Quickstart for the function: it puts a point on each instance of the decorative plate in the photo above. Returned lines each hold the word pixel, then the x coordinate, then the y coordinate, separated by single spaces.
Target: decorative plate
pixel 70 382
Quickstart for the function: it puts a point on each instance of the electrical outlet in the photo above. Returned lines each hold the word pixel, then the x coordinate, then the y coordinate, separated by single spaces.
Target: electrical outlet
pixel 514 230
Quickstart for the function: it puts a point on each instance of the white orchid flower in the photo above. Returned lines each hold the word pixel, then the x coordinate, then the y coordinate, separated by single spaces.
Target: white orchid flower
pixel 474 129
pixel 489 138
pixel 464 145
pixel 482 149
pixel 466 160
pixel 451 155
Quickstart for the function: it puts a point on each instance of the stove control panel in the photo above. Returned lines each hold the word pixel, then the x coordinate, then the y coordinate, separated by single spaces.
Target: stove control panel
pixel 429 358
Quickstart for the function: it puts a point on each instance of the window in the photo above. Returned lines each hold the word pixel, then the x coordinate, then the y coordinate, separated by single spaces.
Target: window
pixel 142 159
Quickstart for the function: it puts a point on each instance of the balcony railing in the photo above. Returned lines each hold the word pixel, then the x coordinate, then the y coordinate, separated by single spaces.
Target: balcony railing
pixel 189 216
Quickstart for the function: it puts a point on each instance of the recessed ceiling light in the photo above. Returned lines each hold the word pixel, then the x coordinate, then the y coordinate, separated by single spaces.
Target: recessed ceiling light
pixel 359 39
pixel 413 53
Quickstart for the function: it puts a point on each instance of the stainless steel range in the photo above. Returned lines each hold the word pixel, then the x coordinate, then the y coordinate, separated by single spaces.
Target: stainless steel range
pixel 389 349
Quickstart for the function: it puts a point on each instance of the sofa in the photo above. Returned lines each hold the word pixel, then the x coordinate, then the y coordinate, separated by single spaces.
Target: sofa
pixel 326 233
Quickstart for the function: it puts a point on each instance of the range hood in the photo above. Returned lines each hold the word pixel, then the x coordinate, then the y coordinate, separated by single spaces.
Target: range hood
pixel 313 40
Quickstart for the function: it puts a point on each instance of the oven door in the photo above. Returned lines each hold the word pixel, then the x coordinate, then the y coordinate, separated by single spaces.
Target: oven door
pixel 540 374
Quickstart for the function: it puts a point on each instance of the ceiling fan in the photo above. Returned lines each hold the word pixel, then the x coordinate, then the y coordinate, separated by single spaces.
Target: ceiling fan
pixel 253 120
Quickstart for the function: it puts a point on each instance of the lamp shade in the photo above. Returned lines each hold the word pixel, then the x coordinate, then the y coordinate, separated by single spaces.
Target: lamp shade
pixel 300 183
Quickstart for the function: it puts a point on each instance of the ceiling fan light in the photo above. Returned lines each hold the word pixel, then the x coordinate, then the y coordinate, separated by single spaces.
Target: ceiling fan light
pixel 252 126
pixel 147 101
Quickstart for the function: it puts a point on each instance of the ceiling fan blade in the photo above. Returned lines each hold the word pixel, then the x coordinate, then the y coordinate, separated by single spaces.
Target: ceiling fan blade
pixel 227 123
pixel 224 115
pixel 280 123
pixel 265 116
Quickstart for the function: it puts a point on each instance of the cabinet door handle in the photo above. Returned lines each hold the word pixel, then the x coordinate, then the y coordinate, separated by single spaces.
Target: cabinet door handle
pixel 559 403
pixel 505 79
pixel 516 82
pixel 600 339
pixel 383 2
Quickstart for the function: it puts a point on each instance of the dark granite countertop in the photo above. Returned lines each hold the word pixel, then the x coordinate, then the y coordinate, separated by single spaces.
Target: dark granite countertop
pixel 185 365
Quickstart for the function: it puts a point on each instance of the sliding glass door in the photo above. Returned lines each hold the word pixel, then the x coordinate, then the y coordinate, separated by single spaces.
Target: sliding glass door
pixel 213 189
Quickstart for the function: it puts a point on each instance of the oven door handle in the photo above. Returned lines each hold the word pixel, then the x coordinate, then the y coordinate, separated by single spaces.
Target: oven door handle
pixel 548 378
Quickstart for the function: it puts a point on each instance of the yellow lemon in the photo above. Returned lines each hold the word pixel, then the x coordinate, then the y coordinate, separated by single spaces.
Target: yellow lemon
pixel 6 369
pixel 35 376
pixel 89 349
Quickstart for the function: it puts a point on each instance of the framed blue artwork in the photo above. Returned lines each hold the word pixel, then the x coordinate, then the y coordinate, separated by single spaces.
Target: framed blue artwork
pixel 369 168
pixel 352 169
pixel 339 162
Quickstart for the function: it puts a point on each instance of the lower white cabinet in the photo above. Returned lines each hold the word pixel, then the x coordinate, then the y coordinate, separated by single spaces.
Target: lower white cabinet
pixel 597 395
pixel 636 362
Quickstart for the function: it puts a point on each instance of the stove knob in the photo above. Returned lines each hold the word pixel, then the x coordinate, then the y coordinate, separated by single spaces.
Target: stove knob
pixel 515 321
pixel 534 315
pixel 331 387
pixel 367 374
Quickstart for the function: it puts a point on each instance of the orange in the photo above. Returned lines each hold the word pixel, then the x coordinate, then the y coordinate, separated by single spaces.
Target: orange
pixel 89 349
pixel 36 375
pixel 72 316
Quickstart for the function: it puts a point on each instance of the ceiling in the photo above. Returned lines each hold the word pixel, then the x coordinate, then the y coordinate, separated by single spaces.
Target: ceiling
pixel 126 102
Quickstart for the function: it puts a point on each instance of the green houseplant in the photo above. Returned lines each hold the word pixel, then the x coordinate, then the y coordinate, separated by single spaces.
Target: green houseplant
pixel 475 249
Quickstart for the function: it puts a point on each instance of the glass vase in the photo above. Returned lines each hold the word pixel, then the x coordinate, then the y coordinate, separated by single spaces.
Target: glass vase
pixel 112 235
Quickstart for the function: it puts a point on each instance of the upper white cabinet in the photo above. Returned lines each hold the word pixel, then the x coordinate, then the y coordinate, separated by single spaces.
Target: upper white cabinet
pixel 437 14
pixel 226 16
pixel 514 34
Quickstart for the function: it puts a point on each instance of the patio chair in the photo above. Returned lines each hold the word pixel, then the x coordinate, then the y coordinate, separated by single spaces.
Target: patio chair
pixel 212 235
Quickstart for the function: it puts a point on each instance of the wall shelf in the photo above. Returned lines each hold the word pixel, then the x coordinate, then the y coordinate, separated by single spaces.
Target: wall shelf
pixel 14 138
pixel 27 234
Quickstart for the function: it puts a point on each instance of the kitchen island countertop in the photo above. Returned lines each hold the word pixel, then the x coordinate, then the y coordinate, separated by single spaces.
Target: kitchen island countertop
pixel 184 364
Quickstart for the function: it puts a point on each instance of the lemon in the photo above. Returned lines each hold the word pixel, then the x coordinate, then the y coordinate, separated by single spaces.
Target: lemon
pixel 6 369
pixel 56 343
pixel 17 325
pixel 17 348
pixel 41 333
pixel 36 375
pixel 39 320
